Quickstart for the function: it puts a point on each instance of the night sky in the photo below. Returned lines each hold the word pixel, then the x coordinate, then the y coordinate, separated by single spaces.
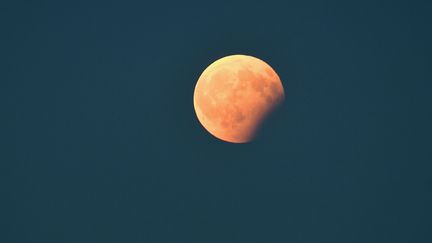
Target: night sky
pixel 103 145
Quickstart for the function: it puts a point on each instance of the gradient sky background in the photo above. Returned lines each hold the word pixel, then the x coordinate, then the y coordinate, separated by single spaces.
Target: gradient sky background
pixel 105 145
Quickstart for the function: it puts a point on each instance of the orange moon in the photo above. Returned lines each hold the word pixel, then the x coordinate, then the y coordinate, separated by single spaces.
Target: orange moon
pixel 234 95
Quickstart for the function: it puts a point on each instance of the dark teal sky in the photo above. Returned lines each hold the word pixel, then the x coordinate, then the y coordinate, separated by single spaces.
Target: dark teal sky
pixel 105 145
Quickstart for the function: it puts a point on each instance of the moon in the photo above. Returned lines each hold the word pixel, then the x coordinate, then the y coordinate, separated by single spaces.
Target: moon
pixel 234 95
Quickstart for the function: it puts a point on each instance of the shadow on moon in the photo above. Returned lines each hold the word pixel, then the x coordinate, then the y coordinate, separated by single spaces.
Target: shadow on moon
pixel 272 126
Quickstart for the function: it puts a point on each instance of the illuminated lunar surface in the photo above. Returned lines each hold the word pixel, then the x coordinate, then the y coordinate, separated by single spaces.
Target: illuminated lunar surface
pixel 234 95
